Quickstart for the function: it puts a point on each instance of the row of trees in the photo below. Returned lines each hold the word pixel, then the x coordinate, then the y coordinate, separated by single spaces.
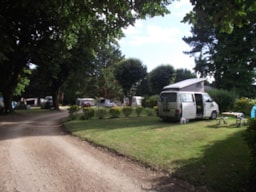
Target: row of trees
pixel 67 40
pixel 122 77
pixel 63 38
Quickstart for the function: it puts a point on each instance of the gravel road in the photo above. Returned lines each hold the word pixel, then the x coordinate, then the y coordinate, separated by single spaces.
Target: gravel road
pixel 37 156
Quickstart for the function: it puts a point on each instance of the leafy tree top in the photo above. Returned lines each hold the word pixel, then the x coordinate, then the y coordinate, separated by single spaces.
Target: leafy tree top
pixel 225 14
pixel 129 73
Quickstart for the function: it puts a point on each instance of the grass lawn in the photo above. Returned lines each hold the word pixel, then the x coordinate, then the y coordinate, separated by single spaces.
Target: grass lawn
pixel 199 152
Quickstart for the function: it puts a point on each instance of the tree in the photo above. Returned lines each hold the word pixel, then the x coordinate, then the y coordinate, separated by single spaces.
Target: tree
pixel 24 24
pixel 161 76
pixel 226 57
pixel 129 73
pixel 183 74
pixel 108 55
pixel 224 14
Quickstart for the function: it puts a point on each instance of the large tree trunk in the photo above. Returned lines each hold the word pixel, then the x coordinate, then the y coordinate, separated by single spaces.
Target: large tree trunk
pixel 130 100
pixel 55 99
pixel 7 95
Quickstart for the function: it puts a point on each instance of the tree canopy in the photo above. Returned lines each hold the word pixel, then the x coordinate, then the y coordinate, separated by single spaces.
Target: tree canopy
pixel 161 76
pixel 32 28
pixel 224 14
pixel 129 73
pixel 228 56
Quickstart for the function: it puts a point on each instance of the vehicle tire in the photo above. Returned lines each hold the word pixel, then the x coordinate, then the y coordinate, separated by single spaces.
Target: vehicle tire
pixel 214 115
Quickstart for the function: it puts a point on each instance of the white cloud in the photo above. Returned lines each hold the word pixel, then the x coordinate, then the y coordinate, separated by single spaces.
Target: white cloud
pixel 150 34
pixel 131 30
pixel 159 40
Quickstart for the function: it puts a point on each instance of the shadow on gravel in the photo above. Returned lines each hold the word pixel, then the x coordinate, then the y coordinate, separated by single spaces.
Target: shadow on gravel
pixel 31 124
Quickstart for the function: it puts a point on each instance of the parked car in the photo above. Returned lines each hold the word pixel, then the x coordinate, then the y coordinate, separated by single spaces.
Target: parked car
pixel 47 103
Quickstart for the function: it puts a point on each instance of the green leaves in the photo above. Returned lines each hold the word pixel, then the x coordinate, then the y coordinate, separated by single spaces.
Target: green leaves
pixel 223 14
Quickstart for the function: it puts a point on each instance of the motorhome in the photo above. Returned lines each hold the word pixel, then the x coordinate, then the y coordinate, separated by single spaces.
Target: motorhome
pixel 184 100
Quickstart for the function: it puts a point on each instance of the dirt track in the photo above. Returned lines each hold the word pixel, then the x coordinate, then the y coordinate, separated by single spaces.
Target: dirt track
pixel 36 155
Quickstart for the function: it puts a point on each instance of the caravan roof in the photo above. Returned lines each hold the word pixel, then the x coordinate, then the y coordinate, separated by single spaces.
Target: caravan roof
pixel 195 84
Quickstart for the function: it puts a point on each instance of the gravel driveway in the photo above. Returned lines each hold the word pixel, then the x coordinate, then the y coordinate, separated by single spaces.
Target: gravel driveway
pixel 37 156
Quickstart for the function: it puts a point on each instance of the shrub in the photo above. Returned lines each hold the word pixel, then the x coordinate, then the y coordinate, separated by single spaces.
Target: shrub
pixel 88 112
pixel 101 113
pixel 151 101
pixel 250 136
pixel 149 111
pixel 127 111
pixel 138 111
pixel 244 105
pixel 156 110
pixel 73 112
pixel 114 112
pixel 225 99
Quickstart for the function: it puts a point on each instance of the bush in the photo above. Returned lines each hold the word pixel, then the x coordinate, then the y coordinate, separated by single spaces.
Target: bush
pixel 244 105
pixel 138 111
pixel 156 110
pixel 127 111
pixel 88 112
pixel 225 99
pixel 73 112
pixel 114 112
pixel 150 111
pixel 151 101
pixel 250 137
pixel 101 113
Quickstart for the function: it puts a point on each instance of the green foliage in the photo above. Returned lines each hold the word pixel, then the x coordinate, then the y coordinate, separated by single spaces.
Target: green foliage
pixel 156 109
pixel 101 113
pixel 250 138
pixel 161 76
pixel 150 111
pixel 225 99
pixel 150 101
pixel 225 56
pixel 73 109
pixel 244 105
pixel 226 15
pixel 62 40
pixel 138 110
pixel 129 73
pixel 115 112
pixel 127 111
pixel 183 74
pixel 88 112
pixel 23 82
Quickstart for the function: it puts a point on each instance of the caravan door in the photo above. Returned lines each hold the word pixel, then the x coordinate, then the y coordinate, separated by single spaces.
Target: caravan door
pixel 188 105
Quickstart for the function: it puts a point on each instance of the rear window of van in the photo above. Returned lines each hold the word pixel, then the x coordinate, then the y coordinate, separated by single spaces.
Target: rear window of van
pixel 169 97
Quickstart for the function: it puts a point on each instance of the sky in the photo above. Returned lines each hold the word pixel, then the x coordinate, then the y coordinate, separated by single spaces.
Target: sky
pixel 158 41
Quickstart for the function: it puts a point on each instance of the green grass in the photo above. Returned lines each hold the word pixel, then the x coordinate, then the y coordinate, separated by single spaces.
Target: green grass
pixel 199 152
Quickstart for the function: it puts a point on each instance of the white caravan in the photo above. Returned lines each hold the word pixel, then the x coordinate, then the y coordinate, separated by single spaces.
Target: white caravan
pixel 172 105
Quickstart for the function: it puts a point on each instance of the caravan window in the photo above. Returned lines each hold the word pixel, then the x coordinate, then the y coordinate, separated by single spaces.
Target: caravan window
pixel 186 98
pixel 169 97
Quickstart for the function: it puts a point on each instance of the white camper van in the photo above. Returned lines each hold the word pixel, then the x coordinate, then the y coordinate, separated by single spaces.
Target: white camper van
pixel 172 105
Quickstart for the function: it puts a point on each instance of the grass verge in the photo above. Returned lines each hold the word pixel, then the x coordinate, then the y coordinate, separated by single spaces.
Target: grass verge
pixel 199 152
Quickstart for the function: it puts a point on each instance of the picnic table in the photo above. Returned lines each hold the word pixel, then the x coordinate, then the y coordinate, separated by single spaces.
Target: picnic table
pixel 240 120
